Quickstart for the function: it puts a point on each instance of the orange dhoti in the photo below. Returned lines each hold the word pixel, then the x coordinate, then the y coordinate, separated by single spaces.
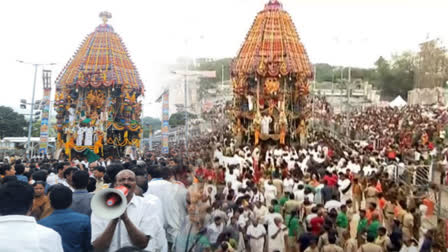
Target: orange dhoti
pixel 282 136
pixel 257 136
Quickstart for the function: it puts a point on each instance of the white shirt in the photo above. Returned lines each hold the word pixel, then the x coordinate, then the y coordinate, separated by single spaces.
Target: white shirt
pixel 225 191
pixel 343 184
pixel 212 194
pixel 278 153
pixel 257 197
pixel 417 155
pixel 288 184
pixel 265 124
pixel 390 169
pixel 156 206
pixel 80 137
pixel 65 183
pixel 270 217
pixel 220 213
pixel 214 231
pixel 291 164
pixel 268 155
pixel 300 195
pixel 261 212
pixel 250 99
pixel 166 192
pixel 333 204
pixel 88 140
pixel 141 214
pixel 85 163
pixel 230 177
pixel 53 179
pixel 310 197
pixel 409 249
pixel 256 231
pixel 356 168
pixel 270 191
pixel 236 185
pixel 242 221
pixel 22 233
pixel 279 242
pixel 72 114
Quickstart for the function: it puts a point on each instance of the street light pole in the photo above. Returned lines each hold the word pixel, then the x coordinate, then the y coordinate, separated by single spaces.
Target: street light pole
pixel 314 97
pixel 332 82
pixel 30 123
pixel 349 88
pixel 186 106
pixel 186 94
pixel 342 74
pixel 342 91
pixel 222 78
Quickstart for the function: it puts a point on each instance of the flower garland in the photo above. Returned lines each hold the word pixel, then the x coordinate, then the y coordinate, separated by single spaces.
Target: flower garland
pixel 115 141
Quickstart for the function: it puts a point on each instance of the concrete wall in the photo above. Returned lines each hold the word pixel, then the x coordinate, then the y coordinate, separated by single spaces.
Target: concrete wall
pixel 426 96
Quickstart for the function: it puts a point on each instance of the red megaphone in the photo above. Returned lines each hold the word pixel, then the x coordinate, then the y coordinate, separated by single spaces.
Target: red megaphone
pixel 110 203
pixel 114 198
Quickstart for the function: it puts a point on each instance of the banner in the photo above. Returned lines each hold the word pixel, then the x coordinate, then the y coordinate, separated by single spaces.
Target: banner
pixel 165 122
pixel 45 117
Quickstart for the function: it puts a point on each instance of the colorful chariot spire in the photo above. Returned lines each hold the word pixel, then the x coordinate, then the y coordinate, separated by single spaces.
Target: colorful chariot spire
pixel 98 97
pixel 270 78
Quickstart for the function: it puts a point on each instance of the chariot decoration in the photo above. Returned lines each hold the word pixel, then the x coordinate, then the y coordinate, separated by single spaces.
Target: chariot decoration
pixel 270 79
pixel 99 98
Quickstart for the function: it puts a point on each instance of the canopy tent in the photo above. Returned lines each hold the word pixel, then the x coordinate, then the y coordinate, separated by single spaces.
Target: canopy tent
pixel 398 102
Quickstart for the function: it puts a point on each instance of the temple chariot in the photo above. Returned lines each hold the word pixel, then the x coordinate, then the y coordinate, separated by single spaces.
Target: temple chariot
pixel 270 78
pixel 98 99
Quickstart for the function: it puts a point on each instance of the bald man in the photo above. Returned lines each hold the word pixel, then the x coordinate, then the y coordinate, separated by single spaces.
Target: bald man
pixel 135 227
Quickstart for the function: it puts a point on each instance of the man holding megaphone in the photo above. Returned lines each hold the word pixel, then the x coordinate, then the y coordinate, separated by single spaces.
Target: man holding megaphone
pixel 120 218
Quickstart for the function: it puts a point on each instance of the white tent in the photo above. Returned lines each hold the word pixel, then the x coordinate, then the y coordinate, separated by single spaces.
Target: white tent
pixel 398 102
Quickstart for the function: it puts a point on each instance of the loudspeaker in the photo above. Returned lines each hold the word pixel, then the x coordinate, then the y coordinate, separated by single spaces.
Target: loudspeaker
pixel 110 203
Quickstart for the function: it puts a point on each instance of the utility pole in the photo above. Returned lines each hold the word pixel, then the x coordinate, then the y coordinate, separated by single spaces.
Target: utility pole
pixel 186 104
pixel 150 137
pixel 314 97
pixel 222 78
pixel 332 82
pixel 349 86
pixel 30 123
pixel 186 91
pixel 349 74
pixel 341 90
pixel 342 74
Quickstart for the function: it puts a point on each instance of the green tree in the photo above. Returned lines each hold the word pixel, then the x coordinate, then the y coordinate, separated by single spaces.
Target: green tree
pixel 324 72
pixel 396 77
pixel 155 123
pixel 431 65
pixel 329 73
pixel 178 119
pixel 12 124
pixel 210 83
pixel 35 129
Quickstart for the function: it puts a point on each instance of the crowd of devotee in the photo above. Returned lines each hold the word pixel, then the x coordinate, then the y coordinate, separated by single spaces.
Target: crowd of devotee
pixel 222 195
pixel 414 135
